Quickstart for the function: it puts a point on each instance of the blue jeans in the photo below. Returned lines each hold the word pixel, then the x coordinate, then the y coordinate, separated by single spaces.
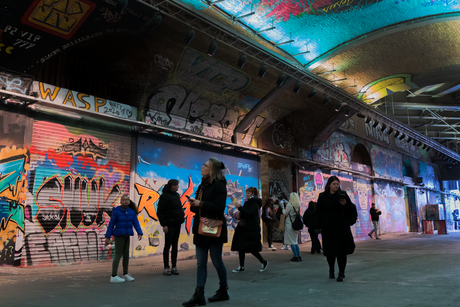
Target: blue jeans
pixel 215 251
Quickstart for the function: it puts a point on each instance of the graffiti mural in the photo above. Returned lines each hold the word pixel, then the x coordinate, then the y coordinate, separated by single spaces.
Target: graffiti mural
pixel 386 163
pixel 14 167
pixel 337 149
pixel 204 98
pixel 14 185
pixel 159 161
pixel 77 176
pixel 389 198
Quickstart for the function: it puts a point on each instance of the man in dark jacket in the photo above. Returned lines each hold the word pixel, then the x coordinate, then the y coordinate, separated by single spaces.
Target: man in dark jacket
pixel 375 221
pixel 171 216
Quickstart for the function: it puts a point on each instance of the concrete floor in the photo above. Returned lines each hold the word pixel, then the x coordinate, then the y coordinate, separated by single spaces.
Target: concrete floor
pixel 403 269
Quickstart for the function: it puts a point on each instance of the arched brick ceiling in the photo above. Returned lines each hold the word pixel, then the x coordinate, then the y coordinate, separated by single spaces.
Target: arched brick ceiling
pixel 426 54
pixel 321 26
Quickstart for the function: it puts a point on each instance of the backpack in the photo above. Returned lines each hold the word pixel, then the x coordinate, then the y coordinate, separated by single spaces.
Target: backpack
pixel 297 224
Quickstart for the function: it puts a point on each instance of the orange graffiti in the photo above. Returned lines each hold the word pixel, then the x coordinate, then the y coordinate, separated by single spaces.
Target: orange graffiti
pixel 147 201
pixel 186 205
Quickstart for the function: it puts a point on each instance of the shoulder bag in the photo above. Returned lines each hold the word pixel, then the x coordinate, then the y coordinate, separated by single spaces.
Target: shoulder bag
pixel 209 227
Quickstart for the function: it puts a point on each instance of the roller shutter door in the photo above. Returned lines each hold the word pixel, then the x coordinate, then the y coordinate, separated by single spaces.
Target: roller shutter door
pixel 76 176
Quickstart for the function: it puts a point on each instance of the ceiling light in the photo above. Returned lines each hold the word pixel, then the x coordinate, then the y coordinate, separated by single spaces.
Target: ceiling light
pixel 347 112
pixel 189 36
pixel 242 60
pixel 281 79
pixel 297 87
pixel 375 124
pixel 312 93
pixel 212 48
pixel 326 100
pixel 262 70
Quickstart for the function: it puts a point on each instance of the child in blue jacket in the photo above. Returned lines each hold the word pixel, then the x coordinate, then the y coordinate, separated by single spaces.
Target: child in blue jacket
pixel 121 224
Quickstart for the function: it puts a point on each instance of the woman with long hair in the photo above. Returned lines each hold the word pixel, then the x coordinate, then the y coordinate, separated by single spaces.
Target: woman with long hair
pixel 210 202
pixel 268 217
pixel 309 219
pixel 121 224
pixel 247 234
pixel 290 235
pixel 335 214
pixel 171 216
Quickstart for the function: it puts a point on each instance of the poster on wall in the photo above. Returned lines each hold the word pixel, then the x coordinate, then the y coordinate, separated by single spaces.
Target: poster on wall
pixel 160 161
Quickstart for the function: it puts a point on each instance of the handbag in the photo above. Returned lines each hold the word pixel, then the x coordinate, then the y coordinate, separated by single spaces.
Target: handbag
pixel 209 227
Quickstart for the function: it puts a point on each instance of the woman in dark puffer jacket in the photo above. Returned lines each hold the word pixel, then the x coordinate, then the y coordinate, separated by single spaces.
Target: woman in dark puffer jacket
pixel 171 216
pixel 247 238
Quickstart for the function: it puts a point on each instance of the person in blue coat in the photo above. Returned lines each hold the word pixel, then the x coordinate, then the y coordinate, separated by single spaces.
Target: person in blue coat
pixel 121 224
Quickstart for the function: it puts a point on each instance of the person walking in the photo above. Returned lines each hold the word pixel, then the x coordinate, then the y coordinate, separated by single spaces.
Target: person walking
pixel 247 234
pixel 171 216
pixel 290 235
pixel 268 217
pixel 121 224
pixel 335 214
pixel 309 219
pixel 210 202
pixel 375 221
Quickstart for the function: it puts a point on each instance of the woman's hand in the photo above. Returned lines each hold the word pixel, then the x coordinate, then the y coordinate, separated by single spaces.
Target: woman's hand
pixel 107 241
pixel 139 237
pixel 165 229
pixel 343 201
pixel 193 202
pixel 238 205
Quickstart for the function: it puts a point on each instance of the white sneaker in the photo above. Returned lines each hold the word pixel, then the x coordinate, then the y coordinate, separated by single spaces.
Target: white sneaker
pixel 284 247
pixel 128 277
pixel 116 279
pixel 272 248
pixel 239 269
pixel 288 248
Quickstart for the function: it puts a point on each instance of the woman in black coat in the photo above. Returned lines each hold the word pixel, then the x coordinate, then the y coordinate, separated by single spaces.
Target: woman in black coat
pixel 171 216
pixel 335 214
pixel 309 219
pixel 247 234
pixel 210 202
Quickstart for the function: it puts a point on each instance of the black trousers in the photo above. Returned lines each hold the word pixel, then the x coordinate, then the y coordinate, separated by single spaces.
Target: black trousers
pixel 315 244
pixel 341 261
pixel 270 228
pixel 171 240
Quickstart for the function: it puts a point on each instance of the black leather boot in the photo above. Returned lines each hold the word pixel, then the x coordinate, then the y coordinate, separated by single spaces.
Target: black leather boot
pixel 197 299
pixel 341 277
pixel 221 295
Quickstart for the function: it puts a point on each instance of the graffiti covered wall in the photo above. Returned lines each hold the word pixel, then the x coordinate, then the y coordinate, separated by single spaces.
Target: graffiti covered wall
pixel 77 175
pixel 389 198
pixel 159 161
pixel 15 130
pixel 312 183
pixel 202 95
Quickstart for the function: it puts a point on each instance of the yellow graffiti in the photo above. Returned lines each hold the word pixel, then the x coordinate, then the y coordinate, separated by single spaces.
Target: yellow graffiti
pixel 18 191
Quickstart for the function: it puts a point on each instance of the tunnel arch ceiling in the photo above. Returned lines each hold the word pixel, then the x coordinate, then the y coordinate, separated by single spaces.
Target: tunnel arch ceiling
pixel 321 26
pixel 408 59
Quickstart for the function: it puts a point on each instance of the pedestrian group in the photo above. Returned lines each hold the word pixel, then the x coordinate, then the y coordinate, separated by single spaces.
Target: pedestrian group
pixel 331 216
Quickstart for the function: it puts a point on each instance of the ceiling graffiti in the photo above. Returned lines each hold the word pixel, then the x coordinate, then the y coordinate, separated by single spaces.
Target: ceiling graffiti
pixel 320 26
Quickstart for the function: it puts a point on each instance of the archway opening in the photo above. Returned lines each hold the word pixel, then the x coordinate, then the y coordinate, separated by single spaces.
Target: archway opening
pixel 361 155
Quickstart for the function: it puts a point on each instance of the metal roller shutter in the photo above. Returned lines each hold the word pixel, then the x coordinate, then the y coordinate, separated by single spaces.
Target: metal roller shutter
pixel 76 176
